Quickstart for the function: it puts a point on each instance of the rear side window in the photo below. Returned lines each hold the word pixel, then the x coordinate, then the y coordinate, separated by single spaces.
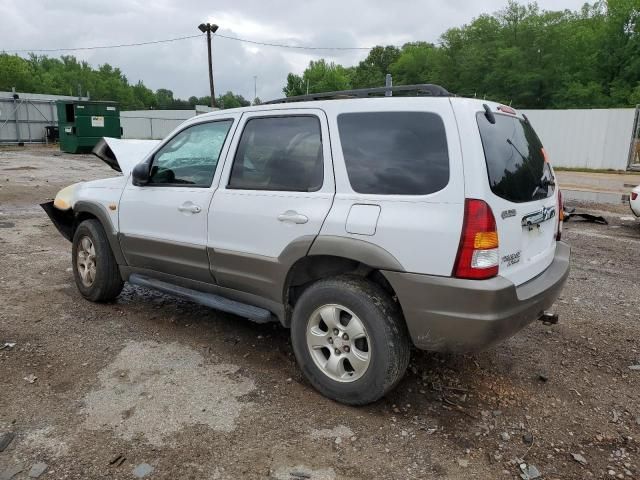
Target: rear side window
pixel 279 153
pixel 395 153
pixel 515 159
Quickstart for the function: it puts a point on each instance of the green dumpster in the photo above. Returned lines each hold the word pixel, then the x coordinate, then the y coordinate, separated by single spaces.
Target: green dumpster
pixel 82 124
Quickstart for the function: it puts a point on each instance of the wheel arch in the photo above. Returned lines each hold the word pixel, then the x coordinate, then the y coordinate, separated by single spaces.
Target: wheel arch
pixel 84 210
pixel 332 256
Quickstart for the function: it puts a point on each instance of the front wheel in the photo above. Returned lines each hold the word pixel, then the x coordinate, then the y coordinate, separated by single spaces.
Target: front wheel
pixel 350 339
pixel 94 267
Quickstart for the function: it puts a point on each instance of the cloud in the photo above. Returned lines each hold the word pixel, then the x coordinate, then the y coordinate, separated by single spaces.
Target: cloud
pixel 182 66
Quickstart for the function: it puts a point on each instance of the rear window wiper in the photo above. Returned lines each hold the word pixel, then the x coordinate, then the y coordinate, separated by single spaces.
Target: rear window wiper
pixel 544 183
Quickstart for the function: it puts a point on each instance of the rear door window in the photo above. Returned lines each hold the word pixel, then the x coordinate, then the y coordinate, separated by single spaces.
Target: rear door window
pixel 515 158
pixel 279 153
pixel 395 153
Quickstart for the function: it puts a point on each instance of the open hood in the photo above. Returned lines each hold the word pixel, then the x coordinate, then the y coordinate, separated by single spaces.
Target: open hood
pixel 123 155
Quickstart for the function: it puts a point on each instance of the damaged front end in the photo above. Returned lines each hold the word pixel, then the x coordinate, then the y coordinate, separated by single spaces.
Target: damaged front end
pixel 60 210
pixel 120 155
pixel 62 219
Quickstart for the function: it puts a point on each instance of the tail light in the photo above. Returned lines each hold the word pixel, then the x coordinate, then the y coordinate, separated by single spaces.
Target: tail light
pixel 478 251
pixel 634 195
pixel 560 216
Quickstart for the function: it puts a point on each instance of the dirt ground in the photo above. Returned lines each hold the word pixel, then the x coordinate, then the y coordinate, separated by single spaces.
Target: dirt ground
pixel 196 394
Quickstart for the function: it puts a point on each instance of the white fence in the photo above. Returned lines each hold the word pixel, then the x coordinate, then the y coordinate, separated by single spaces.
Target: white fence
pixel 597 139
pixel 154 124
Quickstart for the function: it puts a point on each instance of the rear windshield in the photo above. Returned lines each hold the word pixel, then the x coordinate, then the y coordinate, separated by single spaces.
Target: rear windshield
pixel 395 153
pixel 515 159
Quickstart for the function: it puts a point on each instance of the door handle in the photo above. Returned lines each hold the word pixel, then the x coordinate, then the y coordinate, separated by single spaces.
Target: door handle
pixel 293 217
pixel 189 208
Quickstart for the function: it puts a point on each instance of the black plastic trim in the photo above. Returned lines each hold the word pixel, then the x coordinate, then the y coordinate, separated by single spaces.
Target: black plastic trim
pixel 426 89
pixel 255 314
pixel 61 219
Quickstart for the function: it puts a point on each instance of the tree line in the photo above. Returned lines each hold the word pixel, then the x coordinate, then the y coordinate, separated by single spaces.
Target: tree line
pixel 520 55
pixel 69 76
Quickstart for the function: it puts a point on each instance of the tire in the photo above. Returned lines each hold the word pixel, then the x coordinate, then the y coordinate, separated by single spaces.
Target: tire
pixel 103 282
pixel 375 365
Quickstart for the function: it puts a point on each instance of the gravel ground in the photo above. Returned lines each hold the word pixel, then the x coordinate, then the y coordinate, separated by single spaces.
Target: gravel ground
pixel 153 386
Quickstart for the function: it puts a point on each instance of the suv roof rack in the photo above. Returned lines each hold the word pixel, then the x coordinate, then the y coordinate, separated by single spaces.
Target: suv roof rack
pixel 420 90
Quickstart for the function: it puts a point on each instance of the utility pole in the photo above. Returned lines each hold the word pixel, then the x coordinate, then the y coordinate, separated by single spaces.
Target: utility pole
pixel 210 28
pixel 255 87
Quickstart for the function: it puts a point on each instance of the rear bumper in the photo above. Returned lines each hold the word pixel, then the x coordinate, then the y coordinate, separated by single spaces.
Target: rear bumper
pixel 453 315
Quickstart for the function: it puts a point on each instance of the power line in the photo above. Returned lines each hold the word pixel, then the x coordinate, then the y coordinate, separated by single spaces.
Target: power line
pixel 186 37
pixel 282 45
pixel 101 47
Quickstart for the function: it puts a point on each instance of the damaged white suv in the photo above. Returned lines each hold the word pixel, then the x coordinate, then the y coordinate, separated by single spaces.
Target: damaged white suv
pixel 365 223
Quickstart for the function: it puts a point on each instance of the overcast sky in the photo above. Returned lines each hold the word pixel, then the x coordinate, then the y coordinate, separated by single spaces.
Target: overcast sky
pixel 181 66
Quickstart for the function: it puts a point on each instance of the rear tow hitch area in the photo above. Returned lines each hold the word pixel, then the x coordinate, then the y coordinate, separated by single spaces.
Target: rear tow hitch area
pixel 549 318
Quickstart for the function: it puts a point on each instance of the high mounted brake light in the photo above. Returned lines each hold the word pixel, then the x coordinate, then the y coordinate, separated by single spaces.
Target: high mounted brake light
pixel 505 109
pixel 478 251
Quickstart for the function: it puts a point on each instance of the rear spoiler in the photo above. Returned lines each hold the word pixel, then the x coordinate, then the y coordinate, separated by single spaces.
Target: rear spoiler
pixel 123 155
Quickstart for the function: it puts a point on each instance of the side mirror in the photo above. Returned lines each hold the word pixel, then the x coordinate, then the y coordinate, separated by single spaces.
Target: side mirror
pixel 140 174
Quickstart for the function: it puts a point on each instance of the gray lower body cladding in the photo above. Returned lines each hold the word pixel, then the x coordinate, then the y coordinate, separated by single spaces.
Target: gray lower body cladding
pixel 452 315
pixel 181 259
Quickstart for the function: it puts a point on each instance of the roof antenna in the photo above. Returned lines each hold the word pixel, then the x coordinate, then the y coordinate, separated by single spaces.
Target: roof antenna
pixel 388 83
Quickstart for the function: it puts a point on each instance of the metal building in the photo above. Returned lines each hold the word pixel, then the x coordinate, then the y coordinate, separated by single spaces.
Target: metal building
pixel 25 116
pixel 155 124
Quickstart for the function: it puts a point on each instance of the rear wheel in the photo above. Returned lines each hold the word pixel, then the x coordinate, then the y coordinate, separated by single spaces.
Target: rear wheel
pixel 349 339
pixel 94 267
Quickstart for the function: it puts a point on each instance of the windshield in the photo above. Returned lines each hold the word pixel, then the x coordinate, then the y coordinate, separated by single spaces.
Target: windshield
pixel 516 162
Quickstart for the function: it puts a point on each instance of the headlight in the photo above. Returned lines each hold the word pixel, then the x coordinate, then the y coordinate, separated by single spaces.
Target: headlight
pixel 64 197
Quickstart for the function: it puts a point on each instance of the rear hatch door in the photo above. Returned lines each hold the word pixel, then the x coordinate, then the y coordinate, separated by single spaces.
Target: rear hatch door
pixel 523 194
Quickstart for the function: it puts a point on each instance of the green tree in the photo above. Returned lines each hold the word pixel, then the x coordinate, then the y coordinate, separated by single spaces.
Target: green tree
pixel 15 72
pixel 164 98
pixel 295 85
pixel 231 100
pixel 418 62
pixel 371 71
pixel 319 76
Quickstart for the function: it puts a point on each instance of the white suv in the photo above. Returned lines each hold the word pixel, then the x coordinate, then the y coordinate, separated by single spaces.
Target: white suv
pixel 363 224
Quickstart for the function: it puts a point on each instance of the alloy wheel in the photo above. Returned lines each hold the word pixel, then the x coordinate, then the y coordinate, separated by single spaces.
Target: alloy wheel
pixel 338 343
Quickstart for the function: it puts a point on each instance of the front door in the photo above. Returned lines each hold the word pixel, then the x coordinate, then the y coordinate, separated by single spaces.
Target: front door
pixel 163 225
pixel 276 189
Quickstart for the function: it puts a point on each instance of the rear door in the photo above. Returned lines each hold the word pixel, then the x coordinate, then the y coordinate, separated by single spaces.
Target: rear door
pixel 521 192
pixel 276 189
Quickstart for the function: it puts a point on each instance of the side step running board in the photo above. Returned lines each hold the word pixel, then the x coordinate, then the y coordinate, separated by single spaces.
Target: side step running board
pixel 255 314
